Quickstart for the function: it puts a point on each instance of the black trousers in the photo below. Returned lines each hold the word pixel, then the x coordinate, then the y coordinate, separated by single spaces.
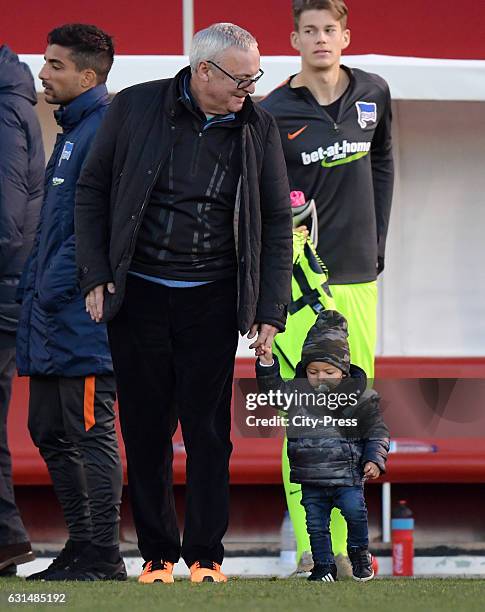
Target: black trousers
pixel 12 530
pixel 173 353
pixel 72 422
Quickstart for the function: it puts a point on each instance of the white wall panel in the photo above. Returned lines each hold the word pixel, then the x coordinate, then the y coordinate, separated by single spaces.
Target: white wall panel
pixel 434 285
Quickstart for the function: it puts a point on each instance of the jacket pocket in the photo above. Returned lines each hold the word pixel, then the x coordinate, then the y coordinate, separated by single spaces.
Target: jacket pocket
pixel 59 284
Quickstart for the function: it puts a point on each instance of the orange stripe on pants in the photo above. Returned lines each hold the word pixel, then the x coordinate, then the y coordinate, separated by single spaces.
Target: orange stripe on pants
pixel 89 419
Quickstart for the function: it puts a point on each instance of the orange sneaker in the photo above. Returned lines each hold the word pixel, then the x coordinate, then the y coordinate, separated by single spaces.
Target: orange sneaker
pixel 206 571
pixel 156 571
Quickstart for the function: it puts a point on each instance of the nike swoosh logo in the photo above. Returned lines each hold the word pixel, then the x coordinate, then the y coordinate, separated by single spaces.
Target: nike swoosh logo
pixel 297 133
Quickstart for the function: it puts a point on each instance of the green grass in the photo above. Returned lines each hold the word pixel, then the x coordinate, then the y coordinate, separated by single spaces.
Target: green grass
pixel 274 595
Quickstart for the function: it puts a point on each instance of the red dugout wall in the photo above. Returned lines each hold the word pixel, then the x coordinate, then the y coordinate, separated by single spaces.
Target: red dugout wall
pixel 412 28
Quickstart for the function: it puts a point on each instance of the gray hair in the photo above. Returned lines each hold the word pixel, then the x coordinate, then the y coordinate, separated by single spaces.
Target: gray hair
pixel 210 43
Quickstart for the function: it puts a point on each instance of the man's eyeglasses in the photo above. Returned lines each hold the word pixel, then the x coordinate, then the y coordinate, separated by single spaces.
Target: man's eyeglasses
pixel 240 83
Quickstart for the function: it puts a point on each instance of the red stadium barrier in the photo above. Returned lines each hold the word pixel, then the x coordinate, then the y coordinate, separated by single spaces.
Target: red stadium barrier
pixel 258 460
pixel 158 28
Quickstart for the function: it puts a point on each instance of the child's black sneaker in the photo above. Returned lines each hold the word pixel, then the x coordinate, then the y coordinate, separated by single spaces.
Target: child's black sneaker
pixel 361 561
pixel 323 573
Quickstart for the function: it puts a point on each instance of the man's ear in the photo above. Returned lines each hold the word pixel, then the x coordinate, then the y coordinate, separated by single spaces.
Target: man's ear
pixel 295 40
pixel 346 38
pixel 202 71
pixel 88 78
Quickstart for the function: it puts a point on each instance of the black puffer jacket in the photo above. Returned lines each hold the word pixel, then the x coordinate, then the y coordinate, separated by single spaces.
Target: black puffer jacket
pixel 21 179
pixel 130 149
pixel 332 454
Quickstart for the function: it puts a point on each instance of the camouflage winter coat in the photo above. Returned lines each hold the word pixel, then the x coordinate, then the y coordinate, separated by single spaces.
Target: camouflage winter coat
pixel 328 445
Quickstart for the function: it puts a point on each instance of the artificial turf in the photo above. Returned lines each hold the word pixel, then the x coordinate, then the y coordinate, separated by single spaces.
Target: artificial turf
pixel 275 595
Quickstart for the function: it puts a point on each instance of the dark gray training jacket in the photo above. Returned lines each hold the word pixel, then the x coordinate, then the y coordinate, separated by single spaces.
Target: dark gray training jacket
pixel 331 455
pixel 130 149
pixel 346 166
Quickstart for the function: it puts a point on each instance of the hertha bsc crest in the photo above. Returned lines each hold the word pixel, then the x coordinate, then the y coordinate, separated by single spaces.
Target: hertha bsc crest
pixel 367 113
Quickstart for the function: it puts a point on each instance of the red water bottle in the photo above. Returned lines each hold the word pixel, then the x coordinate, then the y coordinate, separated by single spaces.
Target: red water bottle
pixel 402 527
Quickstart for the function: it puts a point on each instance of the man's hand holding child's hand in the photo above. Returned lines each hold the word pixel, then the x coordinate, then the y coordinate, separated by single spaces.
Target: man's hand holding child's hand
pixel 371 471
pixel 266 356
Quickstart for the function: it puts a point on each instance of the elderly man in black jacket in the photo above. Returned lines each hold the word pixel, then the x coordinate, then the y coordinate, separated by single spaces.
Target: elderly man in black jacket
pixel 21 191
pixel 183 233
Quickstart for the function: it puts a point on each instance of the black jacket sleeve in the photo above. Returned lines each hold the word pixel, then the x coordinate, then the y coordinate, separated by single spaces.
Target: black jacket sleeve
pixel 14 184
pixel 92 208
pixel 382 177
pixel 276 234
pixel 375 433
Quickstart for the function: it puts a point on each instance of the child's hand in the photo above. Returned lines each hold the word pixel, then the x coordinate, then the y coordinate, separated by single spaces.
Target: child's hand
pixel 265 355
pixel 302 229
pixel 371 470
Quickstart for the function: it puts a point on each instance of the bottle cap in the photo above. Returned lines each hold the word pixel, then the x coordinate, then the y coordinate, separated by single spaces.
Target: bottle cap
pixel 297 198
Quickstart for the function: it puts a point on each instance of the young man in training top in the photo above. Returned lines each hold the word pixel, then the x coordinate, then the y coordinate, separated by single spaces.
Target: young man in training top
pixel 335 126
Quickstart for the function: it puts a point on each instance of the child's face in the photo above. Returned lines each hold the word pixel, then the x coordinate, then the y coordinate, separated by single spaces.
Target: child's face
pixel 320 372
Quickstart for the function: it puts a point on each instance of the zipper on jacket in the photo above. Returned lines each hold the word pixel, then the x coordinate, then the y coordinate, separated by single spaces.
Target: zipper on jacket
pixel 327 116
pixel 195 156
pixel 352 457
pixel 343 100
pixel 236 215
pixel 145 201
pixel 143 206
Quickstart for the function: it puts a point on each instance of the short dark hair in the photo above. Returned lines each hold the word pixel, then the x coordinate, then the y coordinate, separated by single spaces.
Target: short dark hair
pixel 90 47
pixel 338 8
